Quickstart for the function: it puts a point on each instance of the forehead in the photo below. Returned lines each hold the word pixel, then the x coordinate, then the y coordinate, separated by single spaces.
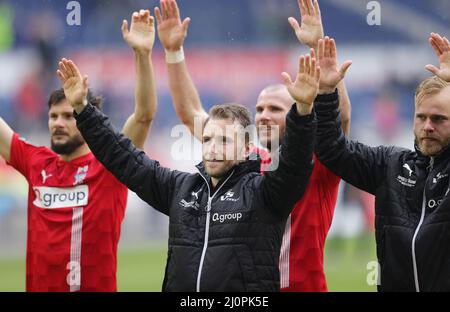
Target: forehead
pixel 276 97
pixel 222 127
pixel 60 108
pixel 436 104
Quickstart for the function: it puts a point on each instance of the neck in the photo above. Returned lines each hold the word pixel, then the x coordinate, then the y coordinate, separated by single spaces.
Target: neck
pixel 79 152
pixel 214 182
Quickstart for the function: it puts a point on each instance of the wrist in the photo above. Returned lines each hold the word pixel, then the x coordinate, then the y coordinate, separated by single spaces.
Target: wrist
pixel 79 107
pixel 304 109
pixel 174 56
pixel 326 90
pixel 142 52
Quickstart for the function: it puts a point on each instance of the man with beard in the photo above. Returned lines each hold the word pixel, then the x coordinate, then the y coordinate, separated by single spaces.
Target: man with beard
pixel 75 206
pixel 412 206
pixel 301 257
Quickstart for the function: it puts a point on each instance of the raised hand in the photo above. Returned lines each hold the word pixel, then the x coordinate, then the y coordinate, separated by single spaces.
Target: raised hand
pixel 311 29
pixel 306 86
pixel 141 35
pixel 331 75
pixel 75 86
pixel 171 31
pixel 441 46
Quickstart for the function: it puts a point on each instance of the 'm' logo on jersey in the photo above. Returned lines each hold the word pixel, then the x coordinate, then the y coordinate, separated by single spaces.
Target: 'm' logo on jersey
pixel 81 175
pixel 54 197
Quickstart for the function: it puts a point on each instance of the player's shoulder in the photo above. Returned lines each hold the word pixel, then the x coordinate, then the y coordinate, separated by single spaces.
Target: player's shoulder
pixel 36 150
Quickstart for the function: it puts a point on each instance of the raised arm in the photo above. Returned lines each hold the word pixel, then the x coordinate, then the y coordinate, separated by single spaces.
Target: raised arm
pixel 356 163
pixel 280 189
pixel 172 33
pixel 151 182
pixel 309 33
pixel 441 47
pixel 141 37
pixel 6 134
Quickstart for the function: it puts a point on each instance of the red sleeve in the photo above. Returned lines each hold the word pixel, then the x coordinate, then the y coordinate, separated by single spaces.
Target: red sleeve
pixel 21 154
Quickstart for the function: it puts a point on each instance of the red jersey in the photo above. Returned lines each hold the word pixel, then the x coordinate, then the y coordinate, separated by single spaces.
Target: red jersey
pixel 75 210
pixel 301 257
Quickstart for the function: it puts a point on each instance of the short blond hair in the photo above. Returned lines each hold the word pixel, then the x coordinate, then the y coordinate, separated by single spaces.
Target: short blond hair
pixel 430 86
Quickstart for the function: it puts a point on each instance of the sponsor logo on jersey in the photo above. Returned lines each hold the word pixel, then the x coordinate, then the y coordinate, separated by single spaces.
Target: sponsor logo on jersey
pixel 228 196
pixel 439 176
pixel 221 218
pixel 80 175
pixel 56 197
pixel 45 176
pixel 406 166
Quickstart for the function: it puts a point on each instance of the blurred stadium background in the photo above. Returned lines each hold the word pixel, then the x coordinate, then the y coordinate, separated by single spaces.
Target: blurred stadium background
pixel 234 48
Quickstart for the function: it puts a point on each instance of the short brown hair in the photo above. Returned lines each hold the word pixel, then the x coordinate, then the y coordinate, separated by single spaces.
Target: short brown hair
pixel 429 86
pixel 58 95
pixel 234 112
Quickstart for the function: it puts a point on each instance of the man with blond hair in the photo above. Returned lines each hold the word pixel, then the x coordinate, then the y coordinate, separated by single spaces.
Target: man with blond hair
pixel 412 207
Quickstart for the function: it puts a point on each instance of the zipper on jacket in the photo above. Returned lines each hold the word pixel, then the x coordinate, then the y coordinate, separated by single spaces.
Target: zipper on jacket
pixel 422 217
pixel 208 216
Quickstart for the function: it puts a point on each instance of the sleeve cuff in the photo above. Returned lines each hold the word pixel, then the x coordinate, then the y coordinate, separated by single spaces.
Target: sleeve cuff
pixel 296 118
pixel 88 109
pixel 327 102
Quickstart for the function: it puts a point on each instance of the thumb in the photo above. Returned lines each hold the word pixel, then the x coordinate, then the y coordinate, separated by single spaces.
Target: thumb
pixel 287 79
pixel 85 82
pixel 345 67
pixel 294 24
pixel 186 23
pixel 124 28
pixel 432 69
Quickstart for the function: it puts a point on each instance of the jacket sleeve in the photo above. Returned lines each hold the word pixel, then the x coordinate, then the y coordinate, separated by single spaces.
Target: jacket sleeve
pixel 282 188
pixel 358 164
pixel 151 182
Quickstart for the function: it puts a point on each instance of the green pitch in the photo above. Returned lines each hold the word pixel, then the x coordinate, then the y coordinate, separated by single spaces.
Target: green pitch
pixel 143 269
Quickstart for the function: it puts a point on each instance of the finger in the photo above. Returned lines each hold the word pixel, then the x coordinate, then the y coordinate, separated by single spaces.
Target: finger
pixel 435 47
pixel 125 28
pixel 174 8
pixel 317 74
pixel 327 47
pixel 311 8
pixel 317 8
pixel 321 49
pixel 301 62
pixel 306 4
pixel 303 10
pixel 63 68
pixel 85 82
pixel 287 79
pixel 135 17
pixel 294 24
pixel 312 70
pixel 333 52
pixel 66 69
pixel 165 9
pixel 151 21
pixel 185 24
pixel 61 76
pixel 439 42
pixel 446 44
pixel 433 69
pixel 74 69
pixel 344 68
pixel 158 15
pixel 308 64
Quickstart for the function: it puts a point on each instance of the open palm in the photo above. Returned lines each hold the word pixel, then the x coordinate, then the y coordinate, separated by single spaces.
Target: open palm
pixel 331 75
pixel 306 85
pixel 311 29
pixel 141 35
pixel 75 86
pixel 442 48
pixel 171 31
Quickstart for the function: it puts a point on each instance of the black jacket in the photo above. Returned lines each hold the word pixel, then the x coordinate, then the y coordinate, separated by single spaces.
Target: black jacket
pixel 227 239
pixel 412 208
